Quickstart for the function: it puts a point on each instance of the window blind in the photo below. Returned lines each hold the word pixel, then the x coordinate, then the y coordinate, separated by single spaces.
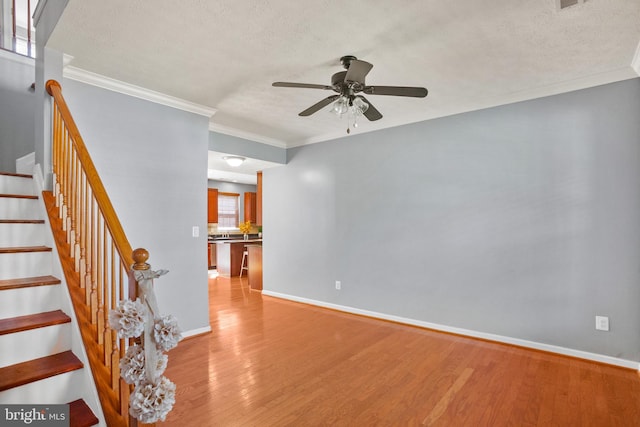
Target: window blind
pixel 228 210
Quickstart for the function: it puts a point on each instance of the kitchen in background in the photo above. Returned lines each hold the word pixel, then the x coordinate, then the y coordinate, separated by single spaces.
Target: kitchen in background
pixel 233 250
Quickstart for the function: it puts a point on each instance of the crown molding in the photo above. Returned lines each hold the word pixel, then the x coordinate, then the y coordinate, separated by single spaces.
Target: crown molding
pixel 226 130
pixel 635 63
pixel 66 60
pixel 108 83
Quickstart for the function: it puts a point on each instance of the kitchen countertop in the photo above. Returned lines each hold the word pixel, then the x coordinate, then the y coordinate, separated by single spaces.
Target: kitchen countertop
pixel 230 254
pixel 236 241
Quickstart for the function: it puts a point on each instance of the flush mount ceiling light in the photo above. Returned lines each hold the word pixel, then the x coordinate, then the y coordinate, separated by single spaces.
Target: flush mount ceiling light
pixel 234 161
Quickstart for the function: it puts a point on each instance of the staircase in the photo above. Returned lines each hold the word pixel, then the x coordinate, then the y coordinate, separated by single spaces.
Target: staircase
pixel 39 361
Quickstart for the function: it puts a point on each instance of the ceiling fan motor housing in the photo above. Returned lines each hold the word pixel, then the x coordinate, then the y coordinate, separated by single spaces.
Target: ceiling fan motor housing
pixel 346 61
pixel 338 79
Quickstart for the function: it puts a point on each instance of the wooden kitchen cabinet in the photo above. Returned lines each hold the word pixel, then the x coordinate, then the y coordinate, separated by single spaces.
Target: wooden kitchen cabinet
pixel 212 211
pixel 211 254
pixel 250 207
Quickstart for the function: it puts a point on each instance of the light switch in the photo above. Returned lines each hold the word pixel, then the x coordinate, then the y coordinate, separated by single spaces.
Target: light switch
pixel 195 231
pixel 602 323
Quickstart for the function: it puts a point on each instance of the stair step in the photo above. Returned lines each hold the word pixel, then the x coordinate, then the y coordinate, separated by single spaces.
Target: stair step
pixel 16 184
pixel 19 196
pixel 32 321
pixel 27 282
pixel 23 249
pixel 38 369
pixel 29 342
pixel 15 265
pixel 20 208
pixel 19 175
pixel 30 300
pixel 80 415
pixel 22 233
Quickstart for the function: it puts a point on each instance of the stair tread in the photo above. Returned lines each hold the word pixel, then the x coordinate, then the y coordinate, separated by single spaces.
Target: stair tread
pixel 19 196
pixel 19 175
pixel 32 321
pixel 38 369
pixel 80 415
pixel 23 249
pixel 26 282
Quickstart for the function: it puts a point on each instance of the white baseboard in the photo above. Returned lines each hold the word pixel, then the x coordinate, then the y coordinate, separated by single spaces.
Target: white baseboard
pixel 197 331
pixel 466 332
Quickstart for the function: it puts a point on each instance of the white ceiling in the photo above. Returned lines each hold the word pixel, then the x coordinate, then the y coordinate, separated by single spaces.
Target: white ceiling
pixel 243 174
pixel 470 54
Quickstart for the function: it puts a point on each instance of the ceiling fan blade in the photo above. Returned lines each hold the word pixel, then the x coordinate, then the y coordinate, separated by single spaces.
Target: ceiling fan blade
pixel 319 105
pixel 302 85
pixel 372 113
pixel 416 92
pixel 357 71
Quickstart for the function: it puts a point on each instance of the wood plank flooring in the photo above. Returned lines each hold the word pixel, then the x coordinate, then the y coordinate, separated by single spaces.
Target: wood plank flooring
pixel 270 362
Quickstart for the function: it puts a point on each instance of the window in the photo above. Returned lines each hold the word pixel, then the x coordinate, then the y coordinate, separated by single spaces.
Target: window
pixel 228 209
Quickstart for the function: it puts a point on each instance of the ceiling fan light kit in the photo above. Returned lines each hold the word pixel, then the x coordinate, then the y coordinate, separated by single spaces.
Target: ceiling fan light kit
pixel 348 84
pixel 353 108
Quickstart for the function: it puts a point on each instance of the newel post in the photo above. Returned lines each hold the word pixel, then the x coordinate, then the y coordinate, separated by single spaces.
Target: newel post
pixel 140 257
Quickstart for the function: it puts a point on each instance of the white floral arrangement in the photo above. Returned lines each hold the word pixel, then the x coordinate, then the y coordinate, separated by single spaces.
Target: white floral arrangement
pixel 150 402
pixel 143 364
pixel 166 332
pixel 128 318
pixel 132 365
pixel 132 368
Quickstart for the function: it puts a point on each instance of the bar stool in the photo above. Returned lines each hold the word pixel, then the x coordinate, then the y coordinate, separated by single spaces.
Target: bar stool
pixel 245 259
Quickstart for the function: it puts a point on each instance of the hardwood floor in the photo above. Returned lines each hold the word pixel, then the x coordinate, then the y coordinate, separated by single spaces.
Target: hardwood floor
pixel 270 362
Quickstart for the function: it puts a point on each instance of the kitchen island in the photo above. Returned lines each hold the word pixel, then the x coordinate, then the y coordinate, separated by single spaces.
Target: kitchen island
pixel 255 266
pixel 229 255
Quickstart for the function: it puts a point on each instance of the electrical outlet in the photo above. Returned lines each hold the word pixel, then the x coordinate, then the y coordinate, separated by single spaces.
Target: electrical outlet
pixel 338 285
pixel 602 323
pixel 195 231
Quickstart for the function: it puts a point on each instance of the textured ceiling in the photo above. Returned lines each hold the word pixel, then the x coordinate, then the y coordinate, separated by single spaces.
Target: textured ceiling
pixel 470 54
pixel 243 174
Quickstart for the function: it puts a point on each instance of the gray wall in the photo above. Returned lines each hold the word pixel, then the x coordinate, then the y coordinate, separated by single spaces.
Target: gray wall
pixel 233 187
pixel 243 147
pixel 153 162
pixel 48 66
pixel 17 105
pixel 521 221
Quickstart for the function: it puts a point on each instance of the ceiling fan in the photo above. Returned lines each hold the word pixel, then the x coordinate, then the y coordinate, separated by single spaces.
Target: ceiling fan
pixel 348 84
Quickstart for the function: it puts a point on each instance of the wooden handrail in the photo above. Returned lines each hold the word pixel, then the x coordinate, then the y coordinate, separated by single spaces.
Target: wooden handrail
pixel 104 203
pixel 96 256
